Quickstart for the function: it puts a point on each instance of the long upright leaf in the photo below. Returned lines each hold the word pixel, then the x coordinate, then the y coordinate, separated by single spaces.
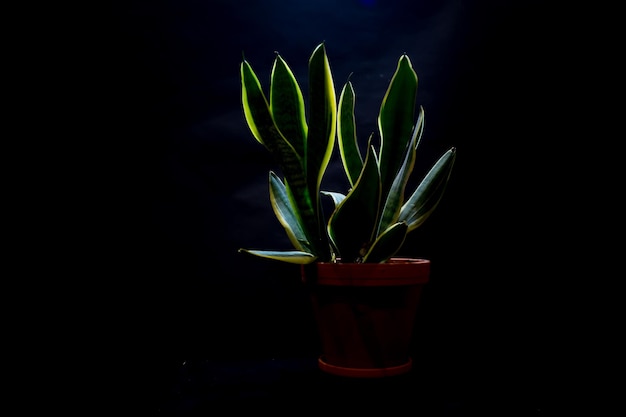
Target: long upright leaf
pixel 352 224
pixel 255 106
pixel 346 135
pixel 321 130
pixel 396 119
pixel 287 105
pixel 261 123
pixel 395 197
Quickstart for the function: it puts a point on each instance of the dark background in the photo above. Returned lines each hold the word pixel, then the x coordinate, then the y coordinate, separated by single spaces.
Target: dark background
pixel 177 184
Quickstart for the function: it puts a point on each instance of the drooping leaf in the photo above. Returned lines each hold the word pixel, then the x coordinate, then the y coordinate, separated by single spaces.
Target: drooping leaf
pixel 292 257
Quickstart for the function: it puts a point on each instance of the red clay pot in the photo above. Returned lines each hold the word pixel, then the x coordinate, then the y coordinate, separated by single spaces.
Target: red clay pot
pixel 365 314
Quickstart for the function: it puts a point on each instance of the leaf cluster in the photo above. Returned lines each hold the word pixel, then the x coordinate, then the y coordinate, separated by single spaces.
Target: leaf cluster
pixel 370 222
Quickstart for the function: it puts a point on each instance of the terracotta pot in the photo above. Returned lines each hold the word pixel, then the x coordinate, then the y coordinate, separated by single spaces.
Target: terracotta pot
pixel 365 314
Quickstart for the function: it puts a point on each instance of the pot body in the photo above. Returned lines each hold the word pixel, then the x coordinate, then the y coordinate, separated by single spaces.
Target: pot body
pixel 365 314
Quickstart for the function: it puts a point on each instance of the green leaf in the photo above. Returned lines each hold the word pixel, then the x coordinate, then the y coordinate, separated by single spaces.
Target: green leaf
pixel 293 257
pixel 255 107
pixel 302 201
pixel 336 197
pixel 286 214
pixel 429 192
pixel 287 105
pixel 261 123
pixel 352 225
pixel 396 119
pixel 321 132
pixel 418 130
pixel 395 197
pixel 346 135
pixel 388 243
pixel 322 117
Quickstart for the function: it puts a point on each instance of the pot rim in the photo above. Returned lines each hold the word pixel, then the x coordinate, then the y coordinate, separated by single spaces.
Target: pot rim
pixel 397 271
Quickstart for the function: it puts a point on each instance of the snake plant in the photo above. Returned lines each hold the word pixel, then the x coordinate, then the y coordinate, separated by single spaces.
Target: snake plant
pixel 369 223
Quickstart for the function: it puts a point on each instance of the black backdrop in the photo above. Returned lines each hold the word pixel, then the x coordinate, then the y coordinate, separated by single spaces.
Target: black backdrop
pixel 180 184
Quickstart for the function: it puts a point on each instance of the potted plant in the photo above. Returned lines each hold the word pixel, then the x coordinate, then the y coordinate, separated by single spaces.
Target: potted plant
pixel 364 298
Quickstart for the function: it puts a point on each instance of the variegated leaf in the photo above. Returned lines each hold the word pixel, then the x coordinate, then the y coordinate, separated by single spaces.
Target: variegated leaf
pixel 396 120
pixel 352 225
pixel 346 135
pixel 387 244
pixel 293 257
pixel 287 105
pixel 286 214
pixel 429 192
